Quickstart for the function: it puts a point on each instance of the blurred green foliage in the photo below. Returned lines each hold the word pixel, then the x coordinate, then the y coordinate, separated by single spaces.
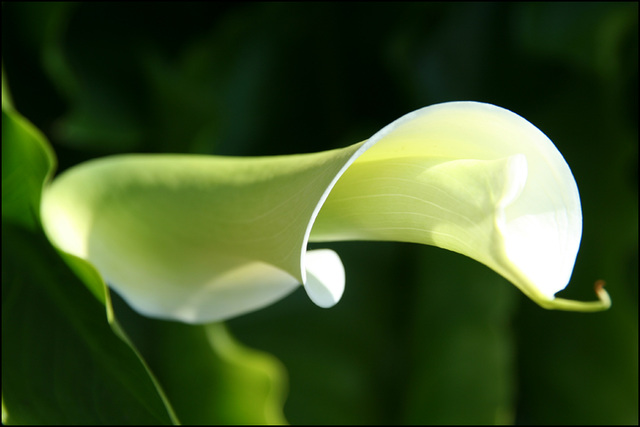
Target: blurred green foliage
pixel 422 336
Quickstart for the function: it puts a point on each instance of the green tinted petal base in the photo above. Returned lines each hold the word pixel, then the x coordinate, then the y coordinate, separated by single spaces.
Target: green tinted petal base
pixel 204 238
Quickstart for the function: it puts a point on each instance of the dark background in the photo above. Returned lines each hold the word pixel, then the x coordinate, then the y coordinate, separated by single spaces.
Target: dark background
pixel 421 335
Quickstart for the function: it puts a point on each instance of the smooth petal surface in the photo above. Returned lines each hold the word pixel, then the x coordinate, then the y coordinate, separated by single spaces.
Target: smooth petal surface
pixel 472 178
pixel 195 238
pixel 204 238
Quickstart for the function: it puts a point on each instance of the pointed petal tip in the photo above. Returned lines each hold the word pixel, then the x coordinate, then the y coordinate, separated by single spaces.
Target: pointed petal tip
pixel 603 303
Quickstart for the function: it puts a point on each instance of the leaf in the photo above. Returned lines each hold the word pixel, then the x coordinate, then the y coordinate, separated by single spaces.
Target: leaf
pixel 61 361
pixel 208 377
pixel 53 331
pixel 27 161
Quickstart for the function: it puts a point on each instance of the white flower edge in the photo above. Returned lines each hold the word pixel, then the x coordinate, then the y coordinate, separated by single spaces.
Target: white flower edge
pixel 537 217
pixel 205 238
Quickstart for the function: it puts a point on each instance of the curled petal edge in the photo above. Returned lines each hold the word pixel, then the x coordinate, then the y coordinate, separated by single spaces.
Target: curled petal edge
pixel 205 238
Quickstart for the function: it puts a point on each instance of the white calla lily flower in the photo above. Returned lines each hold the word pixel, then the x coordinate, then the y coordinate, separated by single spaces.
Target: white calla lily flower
pixel 204 238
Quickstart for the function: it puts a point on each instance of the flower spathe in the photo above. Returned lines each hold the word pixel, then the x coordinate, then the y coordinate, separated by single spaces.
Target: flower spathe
pixel 202 238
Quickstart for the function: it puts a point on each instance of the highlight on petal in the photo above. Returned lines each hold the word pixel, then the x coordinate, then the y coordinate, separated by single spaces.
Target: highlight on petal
pixel 202 238
pixel 325 277
pixel 472 178
pixel 196 238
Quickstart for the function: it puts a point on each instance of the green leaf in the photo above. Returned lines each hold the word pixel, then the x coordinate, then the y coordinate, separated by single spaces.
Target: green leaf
pixel 208 377
pixel 27 161
pixel 61 361
pixel 53 330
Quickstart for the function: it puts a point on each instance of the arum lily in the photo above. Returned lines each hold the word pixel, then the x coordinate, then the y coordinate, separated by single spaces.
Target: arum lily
pixel 203 238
